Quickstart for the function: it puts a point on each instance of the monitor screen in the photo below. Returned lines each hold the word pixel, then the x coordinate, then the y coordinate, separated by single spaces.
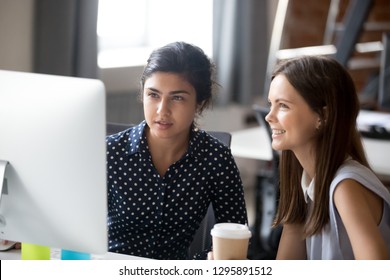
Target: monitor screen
pixel 53 154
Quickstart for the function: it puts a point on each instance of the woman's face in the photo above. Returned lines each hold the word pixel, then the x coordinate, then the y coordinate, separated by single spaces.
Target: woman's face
pixel 293 122
pixel 169 105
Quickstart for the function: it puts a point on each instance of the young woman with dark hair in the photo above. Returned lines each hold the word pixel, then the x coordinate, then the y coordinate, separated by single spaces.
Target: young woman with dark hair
pixel 164 172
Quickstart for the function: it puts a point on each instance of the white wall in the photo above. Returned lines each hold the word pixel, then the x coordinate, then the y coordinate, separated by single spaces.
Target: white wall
pixel 16 29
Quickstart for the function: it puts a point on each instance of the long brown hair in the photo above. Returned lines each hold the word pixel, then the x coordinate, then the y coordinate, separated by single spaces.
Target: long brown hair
pixel 330 92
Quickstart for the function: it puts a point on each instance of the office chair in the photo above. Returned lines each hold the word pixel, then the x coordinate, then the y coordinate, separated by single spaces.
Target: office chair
pixel 266 239
pixel 202 238
pixel 112 128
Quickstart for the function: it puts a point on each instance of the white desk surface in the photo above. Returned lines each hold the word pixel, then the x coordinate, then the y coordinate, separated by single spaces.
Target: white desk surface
pixel 378 155
pixel 254 143
pixel 55 254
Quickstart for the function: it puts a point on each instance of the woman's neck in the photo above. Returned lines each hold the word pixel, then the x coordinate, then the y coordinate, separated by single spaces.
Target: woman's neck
pixel 307 161
pixel 165 152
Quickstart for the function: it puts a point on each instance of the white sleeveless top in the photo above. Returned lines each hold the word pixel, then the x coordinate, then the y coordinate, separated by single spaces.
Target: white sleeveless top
pixel 333 243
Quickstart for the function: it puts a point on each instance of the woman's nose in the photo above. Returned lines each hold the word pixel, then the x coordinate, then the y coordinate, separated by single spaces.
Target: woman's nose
pixel 163 107
pixel 268 117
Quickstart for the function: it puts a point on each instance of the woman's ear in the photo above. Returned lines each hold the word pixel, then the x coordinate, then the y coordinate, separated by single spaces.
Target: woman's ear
pixel 325 113
pixel 200 107
pixel 319 123
pixel 322 118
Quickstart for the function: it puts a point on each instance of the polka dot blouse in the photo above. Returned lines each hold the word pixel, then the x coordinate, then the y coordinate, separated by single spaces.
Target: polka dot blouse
pixel 156 217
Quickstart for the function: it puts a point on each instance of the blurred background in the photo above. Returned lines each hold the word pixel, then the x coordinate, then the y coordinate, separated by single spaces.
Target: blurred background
pixel 111 40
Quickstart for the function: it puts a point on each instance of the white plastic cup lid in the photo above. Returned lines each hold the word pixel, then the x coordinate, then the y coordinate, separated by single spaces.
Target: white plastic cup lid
pixel 231 230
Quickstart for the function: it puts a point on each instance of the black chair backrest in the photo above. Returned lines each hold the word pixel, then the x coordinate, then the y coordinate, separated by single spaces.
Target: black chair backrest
pixel 112 128
pixel 224 137
pixel 267 200
pixel 202 237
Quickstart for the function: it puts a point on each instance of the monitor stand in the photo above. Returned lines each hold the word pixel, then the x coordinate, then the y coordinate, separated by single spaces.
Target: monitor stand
pixel 3 166
pixel 29 251
pixel 3 186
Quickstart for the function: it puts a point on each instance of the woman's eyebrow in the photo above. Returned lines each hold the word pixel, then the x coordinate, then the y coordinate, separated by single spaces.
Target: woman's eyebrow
pixel 278 100
pixel 179 91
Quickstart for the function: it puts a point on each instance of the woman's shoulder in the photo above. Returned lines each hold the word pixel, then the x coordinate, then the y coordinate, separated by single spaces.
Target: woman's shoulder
pixel 351 169
pixel 117 137
pixel 214 139
pixel 354 170
pixel 126 135
pixel 208 147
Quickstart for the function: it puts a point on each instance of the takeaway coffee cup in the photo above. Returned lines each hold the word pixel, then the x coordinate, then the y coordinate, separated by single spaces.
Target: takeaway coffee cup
pixel 230 241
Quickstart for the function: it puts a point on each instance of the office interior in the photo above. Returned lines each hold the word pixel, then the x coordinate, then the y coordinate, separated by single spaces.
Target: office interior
pixel 267 31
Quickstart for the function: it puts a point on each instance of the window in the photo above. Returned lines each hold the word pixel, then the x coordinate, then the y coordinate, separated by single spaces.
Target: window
pixel 128 30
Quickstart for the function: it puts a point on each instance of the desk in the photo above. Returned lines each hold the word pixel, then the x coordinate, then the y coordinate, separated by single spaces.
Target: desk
pixel 254 143
pixel 378 155
pixel 55 254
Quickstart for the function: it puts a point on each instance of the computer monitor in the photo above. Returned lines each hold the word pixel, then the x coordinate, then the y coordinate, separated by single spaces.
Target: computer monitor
pixel 53 154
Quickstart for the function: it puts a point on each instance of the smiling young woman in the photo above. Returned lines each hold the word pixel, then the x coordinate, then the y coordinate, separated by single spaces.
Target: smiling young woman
pixel 332 205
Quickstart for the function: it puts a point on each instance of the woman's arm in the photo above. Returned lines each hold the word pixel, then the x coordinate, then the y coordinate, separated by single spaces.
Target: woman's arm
pixel 292 244
pixel 361 212
pixel 227 192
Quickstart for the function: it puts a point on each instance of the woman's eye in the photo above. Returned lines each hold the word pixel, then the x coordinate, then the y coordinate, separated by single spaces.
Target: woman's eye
pixel 282 105
pixel 153 94
pixel 178 97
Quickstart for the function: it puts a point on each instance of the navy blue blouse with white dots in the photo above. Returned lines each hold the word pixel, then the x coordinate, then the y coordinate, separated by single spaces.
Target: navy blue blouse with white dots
pixel 156 217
